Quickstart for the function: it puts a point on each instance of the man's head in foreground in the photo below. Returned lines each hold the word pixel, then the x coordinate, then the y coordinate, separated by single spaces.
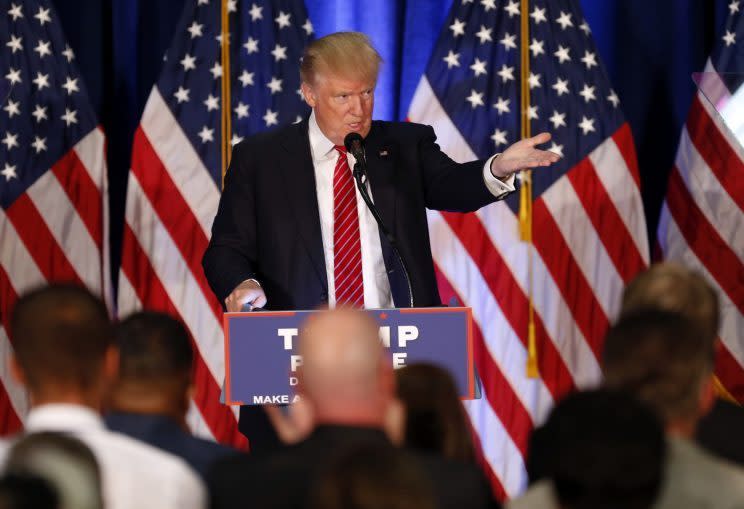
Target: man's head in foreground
pixel 63 346
pixel 339 74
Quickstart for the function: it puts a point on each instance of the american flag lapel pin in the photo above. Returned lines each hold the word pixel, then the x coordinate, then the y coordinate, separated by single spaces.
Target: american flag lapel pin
pixel 383 152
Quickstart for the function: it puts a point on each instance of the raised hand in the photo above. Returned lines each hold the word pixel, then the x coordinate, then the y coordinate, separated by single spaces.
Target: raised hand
pixel 523 155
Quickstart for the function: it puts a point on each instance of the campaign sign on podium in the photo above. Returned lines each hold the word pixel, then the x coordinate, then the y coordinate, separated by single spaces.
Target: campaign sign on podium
pixel 262 355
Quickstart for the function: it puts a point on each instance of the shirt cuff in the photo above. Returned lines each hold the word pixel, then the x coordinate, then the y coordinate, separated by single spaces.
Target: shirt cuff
pixel 497 187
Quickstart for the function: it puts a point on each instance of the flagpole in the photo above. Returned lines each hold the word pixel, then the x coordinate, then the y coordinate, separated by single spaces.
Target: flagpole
pixel 525 191
pixel 226 128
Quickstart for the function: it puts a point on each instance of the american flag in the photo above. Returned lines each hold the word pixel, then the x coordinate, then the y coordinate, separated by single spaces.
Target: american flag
pixel 701 218
pixel 175 179
pixel 53 191
pixel 589 231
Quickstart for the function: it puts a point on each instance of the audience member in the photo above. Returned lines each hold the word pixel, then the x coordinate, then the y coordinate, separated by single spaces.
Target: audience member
pixel 372 477
pixel 65 356
pixel 151 394
pixel 672 287
pixel 63 461
pixel 348 386
pixel 435 420
pixel 27 491
pixel 598 449
pixel 666 360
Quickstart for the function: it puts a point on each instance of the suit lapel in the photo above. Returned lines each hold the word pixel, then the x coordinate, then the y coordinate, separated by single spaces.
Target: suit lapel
pixel 381 173
pixel 296 164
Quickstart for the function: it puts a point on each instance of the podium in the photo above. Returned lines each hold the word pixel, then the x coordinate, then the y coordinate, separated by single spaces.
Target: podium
pixel 261 349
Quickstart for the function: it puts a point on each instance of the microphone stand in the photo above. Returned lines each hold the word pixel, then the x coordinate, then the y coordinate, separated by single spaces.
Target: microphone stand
pixel 359 173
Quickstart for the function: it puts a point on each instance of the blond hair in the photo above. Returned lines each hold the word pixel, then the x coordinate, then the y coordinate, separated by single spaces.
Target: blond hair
pixel 344 54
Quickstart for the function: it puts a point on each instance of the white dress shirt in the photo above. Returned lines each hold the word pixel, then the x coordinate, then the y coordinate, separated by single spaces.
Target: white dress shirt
pixel 376 284
pixel 134 475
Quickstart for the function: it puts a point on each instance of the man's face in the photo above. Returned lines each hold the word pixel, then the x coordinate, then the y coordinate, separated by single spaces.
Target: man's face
pixel 341 105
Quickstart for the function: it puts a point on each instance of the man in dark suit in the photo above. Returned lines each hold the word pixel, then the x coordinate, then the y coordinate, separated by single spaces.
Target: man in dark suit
pixel 150 397
pixel 347 388
pixel 291 232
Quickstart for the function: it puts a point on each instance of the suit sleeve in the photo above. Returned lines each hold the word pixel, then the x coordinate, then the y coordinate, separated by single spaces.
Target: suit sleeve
pixel 230 257
pixel 449 185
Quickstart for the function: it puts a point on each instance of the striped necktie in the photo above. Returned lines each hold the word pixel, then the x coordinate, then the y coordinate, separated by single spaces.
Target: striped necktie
pixel 347 254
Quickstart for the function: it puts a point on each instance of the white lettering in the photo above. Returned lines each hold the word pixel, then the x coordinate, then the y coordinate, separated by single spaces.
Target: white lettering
pixel 292 381
pixel 295 361
pixel 385 336
pixel 287 334
pixel 406 333
pixel 399 359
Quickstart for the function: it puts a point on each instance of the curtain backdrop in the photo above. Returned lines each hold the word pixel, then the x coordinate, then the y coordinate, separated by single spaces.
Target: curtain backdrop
pixel 650 50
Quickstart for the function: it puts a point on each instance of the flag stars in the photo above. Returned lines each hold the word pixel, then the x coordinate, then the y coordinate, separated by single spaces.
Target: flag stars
pixel 558 119
pixel 532 112
pixel 275 85
pixel 538 15
pixel 10 140
pixel 232 6
pixel 587 93
pixel 729 38
pixel 475 99
pixel 43 16
pixel 195 30
pixel 43 49
pixel 564 20
pixel 241 110
pixel 251 45
pixel 188 62
pixel 613 98
pixel 246 78
pixel 39 144
pixel 534 81
pixel 212 103
pixel 70 117
pixel 537 47
pixel 15 11
pixel 203 2
pixel 9 172
pixel 452 59
pixel 502 106
pixel 562 54
pixel 216 70
pixel 489 4
pixel 68 53
pixel 41 81
pixel 484 34
pixel 270 118
pixel 586 125
pixel 71 85
pixel 584 27
pixel 235 139
pixel 283 20
pixel 206 134
pixel 479 67
pixel 308 27
pixel 556 149
pixel 15 43
pixel 182 95
pixel 589 59
pixel 14 76
pixel 560 86
pixel 512 8
pixel 279 52
pixel 458 28
pixel 509 41
pixel 12 108
pixel 499 137
pixel 506 73
pixel 255 12
pixel 39 113
pixel 733 7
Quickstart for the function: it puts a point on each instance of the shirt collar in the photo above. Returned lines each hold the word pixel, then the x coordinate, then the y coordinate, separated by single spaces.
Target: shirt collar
pixel 322 148
pixel 62 417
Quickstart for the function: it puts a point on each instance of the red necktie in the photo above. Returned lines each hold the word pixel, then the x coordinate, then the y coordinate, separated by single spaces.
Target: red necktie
pixel 347 254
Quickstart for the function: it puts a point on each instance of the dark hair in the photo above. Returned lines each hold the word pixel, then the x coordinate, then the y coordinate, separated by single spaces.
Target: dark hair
pixel 435 418
pixel 60 333
pixel 26 491
pixel 661 357
pixel 601 449
pixel 371 476
pixel 153 346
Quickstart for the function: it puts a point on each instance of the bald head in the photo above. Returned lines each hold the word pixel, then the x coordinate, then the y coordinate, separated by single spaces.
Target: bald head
pixel 345 375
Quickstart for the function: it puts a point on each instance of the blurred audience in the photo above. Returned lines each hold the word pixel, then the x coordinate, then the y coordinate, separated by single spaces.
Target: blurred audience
pixel 347 385
pixel 65 356
pixel 150 396
pixel 64 462
pixel 372 477
pixel 666 360
pixel 598 449
pixel 672 287
pixel 434 418
pixel 27 491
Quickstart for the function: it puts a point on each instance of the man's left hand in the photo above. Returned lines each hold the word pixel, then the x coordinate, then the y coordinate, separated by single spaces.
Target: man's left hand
pixel 523 155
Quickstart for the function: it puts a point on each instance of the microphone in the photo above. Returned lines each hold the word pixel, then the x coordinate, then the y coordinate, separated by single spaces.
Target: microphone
pixel 354 144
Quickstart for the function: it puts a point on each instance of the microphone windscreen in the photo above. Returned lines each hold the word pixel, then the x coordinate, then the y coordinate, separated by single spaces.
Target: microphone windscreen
pixel 354 143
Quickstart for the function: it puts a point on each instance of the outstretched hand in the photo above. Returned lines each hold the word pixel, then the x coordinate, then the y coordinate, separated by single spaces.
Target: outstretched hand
pixel 523 155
